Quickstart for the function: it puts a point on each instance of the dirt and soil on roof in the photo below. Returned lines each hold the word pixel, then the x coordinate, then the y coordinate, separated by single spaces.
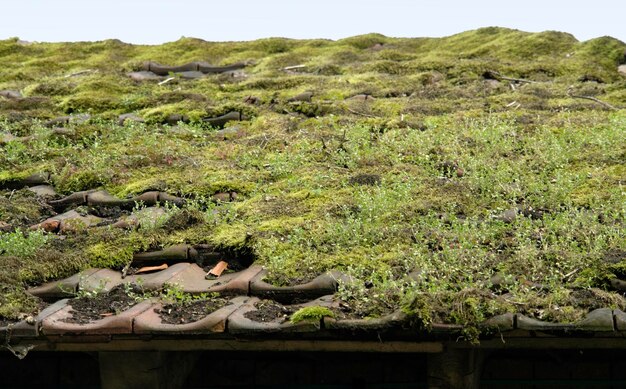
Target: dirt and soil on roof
pixel 86 309
pixel 189 312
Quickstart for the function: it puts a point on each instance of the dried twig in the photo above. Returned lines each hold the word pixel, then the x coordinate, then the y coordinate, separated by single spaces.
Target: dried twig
pixel 603 103
pixel 500 77
pixel 166 81
pixel 294 67
pixel 80 73
pixel 570 274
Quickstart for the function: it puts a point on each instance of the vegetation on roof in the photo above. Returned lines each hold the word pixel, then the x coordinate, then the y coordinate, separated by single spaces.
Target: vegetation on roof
pixel 449 190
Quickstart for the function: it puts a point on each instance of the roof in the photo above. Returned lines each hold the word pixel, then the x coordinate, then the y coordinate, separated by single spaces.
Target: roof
pixel 423 188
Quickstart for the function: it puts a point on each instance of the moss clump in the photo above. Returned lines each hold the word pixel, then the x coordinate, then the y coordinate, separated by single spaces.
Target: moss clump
pixel 21 244
pixel 315 314
pixel 15 303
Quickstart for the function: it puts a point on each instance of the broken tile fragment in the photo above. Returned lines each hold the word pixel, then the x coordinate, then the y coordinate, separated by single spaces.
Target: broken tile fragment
pixel 218 269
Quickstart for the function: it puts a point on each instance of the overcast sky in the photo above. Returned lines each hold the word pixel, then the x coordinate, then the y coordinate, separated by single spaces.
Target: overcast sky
pixel 158 21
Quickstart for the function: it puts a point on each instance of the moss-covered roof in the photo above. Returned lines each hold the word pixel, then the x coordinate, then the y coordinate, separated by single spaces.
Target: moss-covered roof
pixel 456 178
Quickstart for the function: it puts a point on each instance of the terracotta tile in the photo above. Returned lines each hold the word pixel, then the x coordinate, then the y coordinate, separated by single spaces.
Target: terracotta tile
pixel 31 328
pixel 328 301
pixel 53 223
pixel 79 223
pixel 178 252
pixel 530 324
pixel 395 319
pixel 222 197
pixel 48 225
pixel 32 180
pixel 167 198
pixel 218 269
pixel 192 280
pixel 153 197
pixel 101 281
pixel 504 322
pixel 241 324
pixel 155 281
pixel 147 198
pixel 325 284
pixel 66 222
pixel 620 320
pixel 150 214
pixel 238 323
pixel 77 198
pixel 143 76
pixel 103 198
pixel 64 288
pixel 599 320
pixel 237 283
pixel 116 324
pixel 445 328
pixel 150 322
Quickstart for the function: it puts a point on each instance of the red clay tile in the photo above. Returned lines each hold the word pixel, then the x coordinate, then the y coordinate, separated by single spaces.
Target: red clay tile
pixel 155 281
pixel 151 214
pixel 64 288
pixel 77 198
pixel 395 319
pixel 150 322
pixel 238 323
pixel 148 198
pixel 53 224
pixel 31 328
pixel 101 281
pixel 192 280
pixel 48 225
pixel 167 198
pixel 325 284
pixel 179 252
pixel 32 180
pixel 620 320
pixel 103 198
pixel 153 197
pixel 70 221
pixel 218 269
pixel 77 224
pixel 116 324
pixel 599 320
pixel 504 322
pixel 237 283
pixel 445 328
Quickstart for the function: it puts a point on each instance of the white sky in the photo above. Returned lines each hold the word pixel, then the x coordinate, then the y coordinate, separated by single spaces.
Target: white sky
pixel 158 21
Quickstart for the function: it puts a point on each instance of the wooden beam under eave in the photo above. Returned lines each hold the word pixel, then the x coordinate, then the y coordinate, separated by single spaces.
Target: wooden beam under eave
pixel 243 345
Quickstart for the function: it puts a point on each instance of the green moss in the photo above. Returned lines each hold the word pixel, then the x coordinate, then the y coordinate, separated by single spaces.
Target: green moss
pixel 12 175
pixel 117 250
pixel 15 303
pixel 162 114
pixel 79 181
pixel 314 314
pixel 448 152
pixel 21 244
